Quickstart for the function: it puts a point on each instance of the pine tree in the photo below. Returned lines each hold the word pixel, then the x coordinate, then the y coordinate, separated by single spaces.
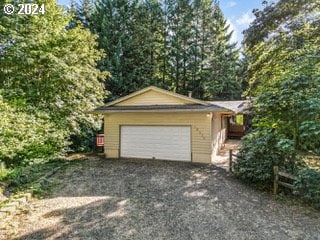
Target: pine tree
pixel 166 8
pixel 129 33
pixel 204 27
pixel 84 12
pixel 222 81
pixel 72 10
pixel 179 45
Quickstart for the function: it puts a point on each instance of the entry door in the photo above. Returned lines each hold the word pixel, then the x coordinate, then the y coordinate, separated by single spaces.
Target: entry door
pixel 160 142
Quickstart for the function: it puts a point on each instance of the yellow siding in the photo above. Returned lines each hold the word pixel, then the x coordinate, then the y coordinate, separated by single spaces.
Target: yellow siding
pixel 200 123
pixel 219 132
pixel 153 98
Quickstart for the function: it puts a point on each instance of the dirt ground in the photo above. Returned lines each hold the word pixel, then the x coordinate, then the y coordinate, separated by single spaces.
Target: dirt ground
pixel 140 199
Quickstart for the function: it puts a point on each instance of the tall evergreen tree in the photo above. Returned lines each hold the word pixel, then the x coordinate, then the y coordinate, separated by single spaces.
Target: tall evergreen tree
pixel 222 82
pixel 129 33
pixel 204 27
pixel 179 45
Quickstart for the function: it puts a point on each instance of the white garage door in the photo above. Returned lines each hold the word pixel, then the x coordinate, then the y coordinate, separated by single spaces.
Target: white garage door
pixel 160 142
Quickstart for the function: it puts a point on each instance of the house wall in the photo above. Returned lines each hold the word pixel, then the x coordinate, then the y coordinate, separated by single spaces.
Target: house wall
pixel 153 98
pixel 219 132
pixel 201 134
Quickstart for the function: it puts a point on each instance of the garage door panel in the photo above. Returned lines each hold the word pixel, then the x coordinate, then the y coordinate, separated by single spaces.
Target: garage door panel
pixel 160 142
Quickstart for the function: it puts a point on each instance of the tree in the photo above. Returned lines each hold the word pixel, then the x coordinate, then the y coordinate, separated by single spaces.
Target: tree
pixel 275 17
pixel 223 81
pixel 203 40
pixel 284 74
pixel 289 99
pixel 48 68
pixel 177 45
pixel 287 116
pixel 84 12
pixel 128 32
pixel 25 137
pixel 179 25
pixel 275 21
pixel 201 57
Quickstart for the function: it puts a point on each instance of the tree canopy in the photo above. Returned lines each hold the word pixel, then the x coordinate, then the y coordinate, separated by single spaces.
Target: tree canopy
pixel 178 45
pixel 284 77
pixel 48 72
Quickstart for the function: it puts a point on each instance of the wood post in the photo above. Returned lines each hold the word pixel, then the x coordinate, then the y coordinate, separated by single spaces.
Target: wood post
pixel 230 160
pixel 276 179
pixel 284 176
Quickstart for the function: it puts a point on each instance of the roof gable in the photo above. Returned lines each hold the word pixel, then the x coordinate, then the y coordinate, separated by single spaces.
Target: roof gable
pixel 154 96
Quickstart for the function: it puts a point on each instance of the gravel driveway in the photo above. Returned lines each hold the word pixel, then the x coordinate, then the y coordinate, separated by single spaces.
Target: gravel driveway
pixel 137 199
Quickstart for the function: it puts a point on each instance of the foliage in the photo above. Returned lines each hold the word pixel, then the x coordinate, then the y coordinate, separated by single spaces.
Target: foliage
pixel 49 77
pixel 25 136
pixel 222 81
pixel 292 107
pixel 126 33
pixel 278 39
pixel 284 77
pixel 307 185
pixel 178 45
pixel 81 13
pixel 4 172
pixel 262 149
pixel 85 141
pixel 24 178
pixel 239 119
pixel 51 67
pixel 290 112
pixel 277 17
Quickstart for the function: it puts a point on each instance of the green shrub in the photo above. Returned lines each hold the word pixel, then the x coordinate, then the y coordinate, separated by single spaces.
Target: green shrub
pixel 84 141
pixel 261 150
pixel 308 185
pixel 25 136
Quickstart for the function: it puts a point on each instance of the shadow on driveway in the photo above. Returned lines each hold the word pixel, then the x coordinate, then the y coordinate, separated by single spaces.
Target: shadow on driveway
pixel 145 199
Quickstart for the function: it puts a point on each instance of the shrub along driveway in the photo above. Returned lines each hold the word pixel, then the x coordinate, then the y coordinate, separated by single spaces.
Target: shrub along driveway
pixel 131 199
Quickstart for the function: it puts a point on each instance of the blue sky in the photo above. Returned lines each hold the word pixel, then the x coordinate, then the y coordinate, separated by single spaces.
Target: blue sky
pixel 237 12
pixel 239 15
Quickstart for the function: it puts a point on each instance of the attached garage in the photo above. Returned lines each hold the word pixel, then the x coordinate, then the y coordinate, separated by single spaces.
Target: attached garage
pixel 156 142
pixel 157 124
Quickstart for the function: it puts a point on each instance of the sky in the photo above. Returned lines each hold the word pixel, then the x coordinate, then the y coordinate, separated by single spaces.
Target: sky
pixel 237 12
pixel 239 15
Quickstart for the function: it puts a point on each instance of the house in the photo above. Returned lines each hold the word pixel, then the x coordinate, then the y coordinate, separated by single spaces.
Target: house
pixel 157 124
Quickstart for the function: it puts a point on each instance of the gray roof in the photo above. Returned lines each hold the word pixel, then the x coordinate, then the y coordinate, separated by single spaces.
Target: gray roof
pixel 235 106
pixel 214 106
pixel 160 108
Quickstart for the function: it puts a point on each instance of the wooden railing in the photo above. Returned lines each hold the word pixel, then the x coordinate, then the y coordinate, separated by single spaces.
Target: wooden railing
pixel 279 178
pixel 231 161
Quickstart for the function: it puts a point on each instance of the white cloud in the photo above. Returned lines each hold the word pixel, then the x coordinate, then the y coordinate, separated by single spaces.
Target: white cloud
pixel 245 19
pixel 232 27
pixel 231 4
